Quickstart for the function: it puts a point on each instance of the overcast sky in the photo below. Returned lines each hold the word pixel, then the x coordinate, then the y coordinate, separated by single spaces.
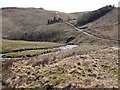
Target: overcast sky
pixel 60 5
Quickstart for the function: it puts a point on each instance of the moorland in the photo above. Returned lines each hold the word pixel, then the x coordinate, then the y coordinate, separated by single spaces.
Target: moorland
pixel 31 48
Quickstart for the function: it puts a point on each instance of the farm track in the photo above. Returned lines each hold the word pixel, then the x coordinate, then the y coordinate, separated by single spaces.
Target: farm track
pixel 86 33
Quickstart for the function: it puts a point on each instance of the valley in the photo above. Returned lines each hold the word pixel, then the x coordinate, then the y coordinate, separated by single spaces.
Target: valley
pixel 60 54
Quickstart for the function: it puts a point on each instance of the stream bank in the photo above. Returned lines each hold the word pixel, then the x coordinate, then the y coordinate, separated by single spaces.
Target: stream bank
pixel 62 49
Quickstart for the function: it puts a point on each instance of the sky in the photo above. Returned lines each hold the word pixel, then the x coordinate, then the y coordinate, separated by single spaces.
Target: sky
pixel 67 6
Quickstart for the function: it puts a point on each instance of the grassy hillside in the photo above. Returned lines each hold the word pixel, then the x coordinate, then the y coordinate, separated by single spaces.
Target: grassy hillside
pixel 22 19
pixel 106 26
pixel 78 14
pixel 18 22
pixel 30 24
pixel 58 32
pixel 92 64
pixel 93 15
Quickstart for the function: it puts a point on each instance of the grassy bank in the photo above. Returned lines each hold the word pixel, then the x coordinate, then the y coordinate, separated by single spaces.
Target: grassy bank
pixel 15 46
pixel 28 53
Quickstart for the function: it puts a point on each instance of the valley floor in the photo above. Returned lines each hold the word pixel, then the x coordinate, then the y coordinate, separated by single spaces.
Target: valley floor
pixel 86 66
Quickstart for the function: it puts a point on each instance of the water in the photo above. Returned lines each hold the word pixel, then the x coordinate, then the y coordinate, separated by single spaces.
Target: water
pixel 1 57
pixel 62 49
pixel 67 47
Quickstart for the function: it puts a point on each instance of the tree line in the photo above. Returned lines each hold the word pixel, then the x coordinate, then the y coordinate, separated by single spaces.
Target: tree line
pixel 48 33
pixel 91 16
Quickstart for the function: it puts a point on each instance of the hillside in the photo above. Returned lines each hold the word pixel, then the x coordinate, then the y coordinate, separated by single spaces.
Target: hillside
pixel 33 61
pixel 25 20
pixel 31 24
pixel 105 27
pixel 78 14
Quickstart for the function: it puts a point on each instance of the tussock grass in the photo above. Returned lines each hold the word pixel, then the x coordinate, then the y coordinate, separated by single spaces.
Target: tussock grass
pixel 80 50
pixel 89 67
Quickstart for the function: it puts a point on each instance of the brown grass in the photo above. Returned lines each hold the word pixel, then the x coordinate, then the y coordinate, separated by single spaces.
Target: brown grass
pixel 94 69
pixel 106 26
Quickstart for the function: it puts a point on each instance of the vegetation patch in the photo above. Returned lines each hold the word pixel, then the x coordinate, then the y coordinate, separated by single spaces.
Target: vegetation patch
pixel 91 16
pixel 29 53
pixel 91 69
pixel 15 46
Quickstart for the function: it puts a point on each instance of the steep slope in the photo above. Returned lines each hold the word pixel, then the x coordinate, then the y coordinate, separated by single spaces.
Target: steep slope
pixel 105 27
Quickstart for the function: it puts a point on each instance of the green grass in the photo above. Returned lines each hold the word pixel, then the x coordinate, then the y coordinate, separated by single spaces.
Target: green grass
pixel 12 45
pixel 28 53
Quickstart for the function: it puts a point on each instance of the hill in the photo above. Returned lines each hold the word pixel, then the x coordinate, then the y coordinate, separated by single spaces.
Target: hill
pixel 106 26
pixel 31 24
pixel 18 22
pixel 92 63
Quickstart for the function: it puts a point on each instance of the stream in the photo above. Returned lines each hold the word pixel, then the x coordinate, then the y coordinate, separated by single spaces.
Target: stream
pixel 67 47
pixel 62 49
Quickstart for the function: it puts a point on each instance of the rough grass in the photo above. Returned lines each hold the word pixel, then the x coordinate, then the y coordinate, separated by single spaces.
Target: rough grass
pixel 80 50
pixel 12 45
pixel 28 53
pixel 93 69
pixel 106 26
pixel 87 66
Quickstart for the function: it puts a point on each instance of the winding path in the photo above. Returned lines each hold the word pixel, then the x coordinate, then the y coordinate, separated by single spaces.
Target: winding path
pixel 84 32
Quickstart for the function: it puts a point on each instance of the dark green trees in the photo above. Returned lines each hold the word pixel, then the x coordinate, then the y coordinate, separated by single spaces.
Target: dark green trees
pixel 54 20
pixel 91 16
